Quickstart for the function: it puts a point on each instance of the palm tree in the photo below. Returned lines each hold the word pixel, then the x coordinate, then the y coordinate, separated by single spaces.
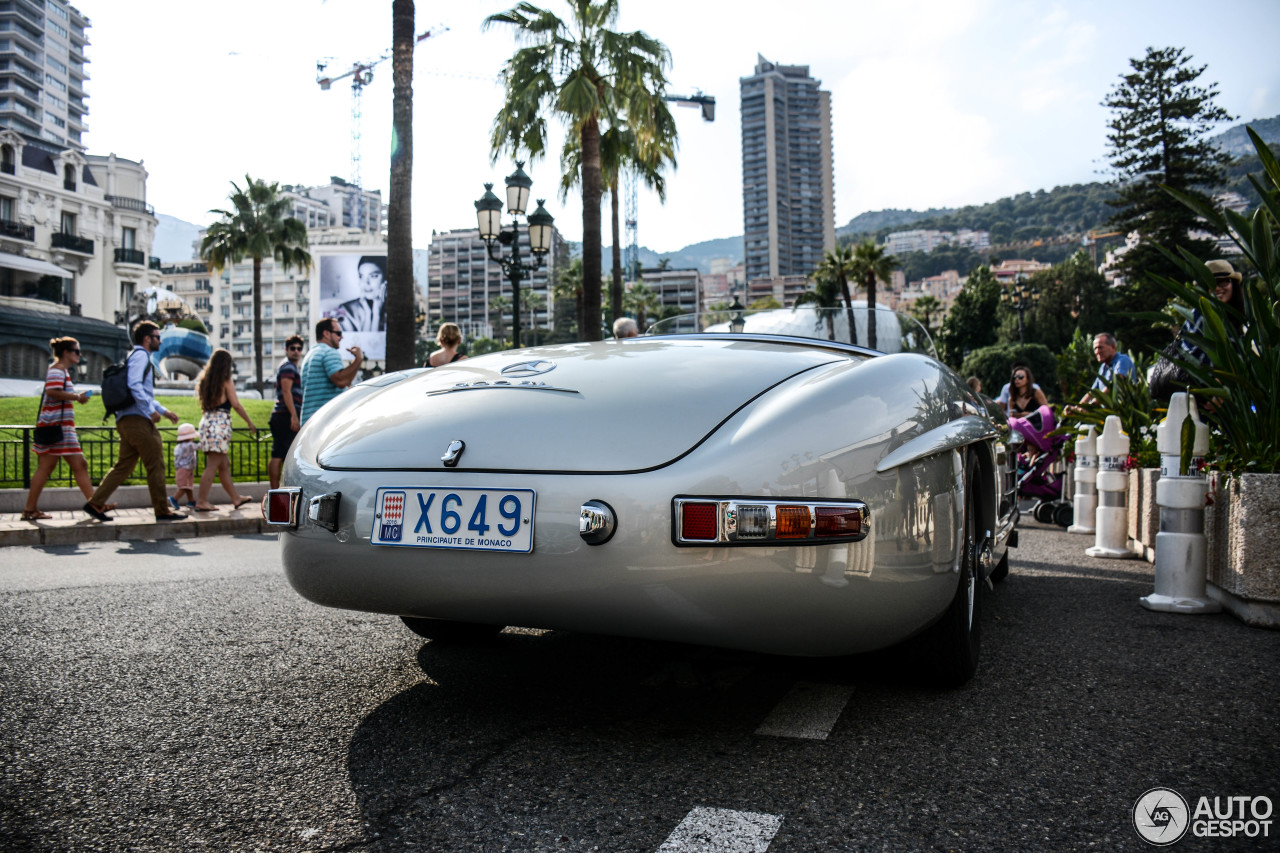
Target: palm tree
pixel 837 266
pixel 568 285
pixel 825 296
pixel 925 309
pixel 257 228
pixel 621 151
pixel 400 308
pixel 870 263
pixel 643 302
pixel 498 306
pixel 587 74
pixel 535 302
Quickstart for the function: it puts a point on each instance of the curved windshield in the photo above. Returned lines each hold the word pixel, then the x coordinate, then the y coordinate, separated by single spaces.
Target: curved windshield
pixel 894 332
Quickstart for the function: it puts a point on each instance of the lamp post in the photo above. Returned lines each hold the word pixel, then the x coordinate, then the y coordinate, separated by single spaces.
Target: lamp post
pixel 736 321
pixel 489 218
pixel 1020 296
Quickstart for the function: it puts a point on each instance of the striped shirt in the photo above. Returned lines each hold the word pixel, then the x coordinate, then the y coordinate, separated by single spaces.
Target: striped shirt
pixel 317 388
pixel 59 412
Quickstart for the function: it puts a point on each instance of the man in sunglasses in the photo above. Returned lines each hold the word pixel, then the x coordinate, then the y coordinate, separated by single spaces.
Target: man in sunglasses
pixel 286 416
pixel 139 438
pixel 323 376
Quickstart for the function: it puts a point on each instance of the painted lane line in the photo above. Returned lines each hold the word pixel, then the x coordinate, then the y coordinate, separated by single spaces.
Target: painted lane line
pixel 722 831
pixel 807 711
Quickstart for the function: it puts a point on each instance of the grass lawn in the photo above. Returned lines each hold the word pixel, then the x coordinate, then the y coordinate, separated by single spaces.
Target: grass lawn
pixel 249 455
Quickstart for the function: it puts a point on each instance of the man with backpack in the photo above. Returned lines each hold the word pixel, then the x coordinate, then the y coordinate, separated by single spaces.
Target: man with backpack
pixel 139 438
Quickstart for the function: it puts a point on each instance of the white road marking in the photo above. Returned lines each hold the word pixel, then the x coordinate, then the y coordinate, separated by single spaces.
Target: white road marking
pixel 722 831
pixel 807 711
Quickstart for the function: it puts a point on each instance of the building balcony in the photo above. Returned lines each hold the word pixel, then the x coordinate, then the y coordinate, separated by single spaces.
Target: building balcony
pixel 131 204
pixel 17 231
pixel 131 256
pixel 72 243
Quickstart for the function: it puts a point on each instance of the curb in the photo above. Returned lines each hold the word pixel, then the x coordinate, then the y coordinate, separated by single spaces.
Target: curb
pixel 71 527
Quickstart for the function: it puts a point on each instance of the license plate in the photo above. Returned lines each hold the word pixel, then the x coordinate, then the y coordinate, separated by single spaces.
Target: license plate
pixel 463 519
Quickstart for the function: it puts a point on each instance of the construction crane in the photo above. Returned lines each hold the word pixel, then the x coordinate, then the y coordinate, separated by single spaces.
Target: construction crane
pixel 361 74
pixel 631 203
pixel 1091 239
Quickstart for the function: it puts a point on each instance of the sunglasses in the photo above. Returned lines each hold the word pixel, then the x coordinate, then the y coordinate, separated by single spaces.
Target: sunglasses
pixel 295 349
pixel 1019 376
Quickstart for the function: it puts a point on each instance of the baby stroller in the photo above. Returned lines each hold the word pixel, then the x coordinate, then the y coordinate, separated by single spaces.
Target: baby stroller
pixel 1041 474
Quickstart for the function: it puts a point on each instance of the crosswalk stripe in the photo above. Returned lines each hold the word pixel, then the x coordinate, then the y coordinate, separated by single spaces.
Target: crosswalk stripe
pixel 707 830
pixel 807 711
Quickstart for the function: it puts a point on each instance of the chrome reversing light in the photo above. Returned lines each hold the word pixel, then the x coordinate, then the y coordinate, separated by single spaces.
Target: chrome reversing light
pixel 712 521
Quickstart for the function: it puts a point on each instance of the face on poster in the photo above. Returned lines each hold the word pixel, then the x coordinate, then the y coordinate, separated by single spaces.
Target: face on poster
pixel 353 290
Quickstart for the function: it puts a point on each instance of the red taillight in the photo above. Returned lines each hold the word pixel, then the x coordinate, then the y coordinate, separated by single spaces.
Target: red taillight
pixel 838 521
pixel 280 505
pixel 698 521
pixel 793 522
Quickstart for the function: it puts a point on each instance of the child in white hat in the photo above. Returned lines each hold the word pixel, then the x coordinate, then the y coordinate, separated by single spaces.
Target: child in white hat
pixel 184 466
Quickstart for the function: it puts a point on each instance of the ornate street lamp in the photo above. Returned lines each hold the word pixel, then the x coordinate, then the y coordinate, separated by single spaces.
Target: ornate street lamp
pixel 736 321
pixel 489 218
pixel 1020 296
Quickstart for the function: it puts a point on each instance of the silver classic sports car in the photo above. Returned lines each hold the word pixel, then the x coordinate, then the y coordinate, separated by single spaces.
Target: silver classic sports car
pixel 755 484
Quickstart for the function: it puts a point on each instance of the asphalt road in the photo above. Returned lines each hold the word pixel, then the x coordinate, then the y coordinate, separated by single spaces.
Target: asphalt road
pixel 178 695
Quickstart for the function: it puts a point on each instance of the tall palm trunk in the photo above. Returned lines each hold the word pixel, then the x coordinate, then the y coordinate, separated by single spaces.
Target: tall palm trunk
pixel 257 322
pixel 871 310
pixel 848 308
pixel 592 188
pixel 615 292
pixel 400 308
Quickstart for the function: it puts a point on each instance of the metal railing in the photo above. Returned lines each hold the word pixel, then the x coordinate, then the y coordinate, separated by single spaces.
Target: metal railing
pixel 126 203
pixel 249 454
pixel 131 256
pixel 74 242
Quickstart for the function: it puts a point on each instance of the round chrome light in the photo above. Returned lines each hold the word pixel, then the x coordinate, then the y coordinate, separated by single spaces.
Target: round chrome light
pixel 596 523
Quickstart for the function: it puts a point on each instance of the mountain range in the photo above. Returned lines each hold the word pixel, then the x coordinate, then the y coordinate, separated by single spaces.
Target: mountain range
pixel 1063 209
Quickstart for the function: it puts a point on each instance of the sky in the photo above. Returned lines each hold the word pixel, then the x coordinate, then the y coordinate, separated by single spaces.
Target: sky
pixel 935 103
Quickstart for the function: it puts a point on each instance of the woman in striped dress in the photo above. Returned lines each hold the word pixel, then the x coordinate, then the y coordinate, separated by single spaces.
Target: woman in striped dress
pixel 59 397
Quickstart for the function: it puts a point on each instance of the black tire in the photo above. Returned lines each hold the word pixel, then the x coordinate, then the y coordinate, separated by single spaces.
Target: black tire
pixel 1001 571
pixel 444 629
pixel 1043 513
pixel 953 643
pixel 1064 515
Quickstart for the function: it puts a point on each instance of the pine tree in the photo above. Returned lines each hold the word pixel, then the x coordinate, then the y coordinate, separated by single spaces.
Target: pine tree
pixel 1158 139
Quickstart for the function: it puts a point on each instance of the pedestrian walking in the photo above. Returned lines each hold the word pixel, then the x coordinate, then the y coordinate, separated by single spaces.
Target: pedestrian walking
pixel 217 392
pixel 449 338
pixel 57 410
pixel 286 416
pixel 139 437
pixel 184 466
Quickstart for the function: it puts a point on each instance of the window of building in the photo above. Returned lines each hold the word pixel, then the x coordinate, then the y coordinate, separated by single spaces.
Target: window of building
pixel 68 183
pixel 54 82
pixel 128 238
pixel 58 28
pixel 7 161
pixel 68 221
pixel 55 64
pixel 7 209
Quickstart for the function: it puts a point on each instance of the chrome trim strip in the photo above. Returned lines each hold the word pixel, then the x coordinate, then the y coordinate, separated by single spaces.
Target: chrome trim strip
pixel 501 384
pixel 950 436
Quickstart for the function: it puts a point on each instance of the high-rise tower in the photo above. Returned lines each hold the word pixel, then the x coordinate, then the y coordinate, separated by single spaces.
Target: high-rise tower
pixel 42 72
pixel 788 188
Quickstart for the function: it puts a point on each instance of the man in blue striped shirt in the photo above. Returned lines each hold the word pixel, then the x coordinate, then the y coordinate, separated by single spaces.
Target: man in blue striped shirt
pixel 139 438
pixel 323 376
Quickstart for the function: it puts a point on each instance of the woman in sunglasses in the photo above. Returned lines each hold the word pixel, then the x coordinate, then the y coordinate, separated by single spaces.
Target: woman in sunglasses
pixel 57 408
pixel 1024 395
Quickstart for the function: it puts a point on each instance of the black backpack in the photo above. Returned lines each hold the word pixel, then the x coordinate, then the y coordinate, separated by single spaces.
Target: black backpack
pixel 115 386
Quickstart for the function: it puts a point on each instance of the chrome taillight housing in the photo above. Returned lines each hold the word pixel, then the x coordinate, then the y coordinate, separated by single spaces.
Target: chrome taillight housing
pixel 280 507
pixel 711 521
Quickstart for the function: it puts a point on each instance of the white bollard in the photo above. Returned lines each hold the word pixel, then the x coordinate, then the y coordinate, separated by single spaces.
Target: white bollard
pixel 1180 544
pixel 1086 478
pixel 1111 519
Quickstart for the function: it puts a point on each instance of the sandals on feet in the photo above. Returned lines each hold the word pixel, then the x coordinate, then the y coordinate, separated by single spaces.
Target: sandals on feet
pixel 241 502
pixel 199 508
pixel 34 515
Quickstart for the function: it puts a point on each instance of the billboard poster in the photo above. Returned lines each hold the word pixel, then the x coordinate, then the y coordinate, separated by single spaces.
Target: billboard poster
pixel 353 289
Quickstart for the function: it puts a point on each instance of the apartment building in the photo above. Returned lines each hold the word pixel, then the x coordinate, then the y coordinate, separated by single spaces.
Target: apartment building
pixel 42 72
pixel 788 186
pixel 464 283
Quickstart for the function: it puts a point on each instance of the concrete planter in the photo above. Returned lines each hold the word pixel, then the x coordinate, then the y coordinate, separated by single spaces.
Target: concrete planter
pixel 1243 530
pixel 1144 513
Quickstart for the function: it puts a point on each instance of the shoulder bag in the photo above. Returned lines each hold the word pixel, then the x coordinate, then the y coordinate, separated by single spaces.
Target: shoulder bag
pixel 47 434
